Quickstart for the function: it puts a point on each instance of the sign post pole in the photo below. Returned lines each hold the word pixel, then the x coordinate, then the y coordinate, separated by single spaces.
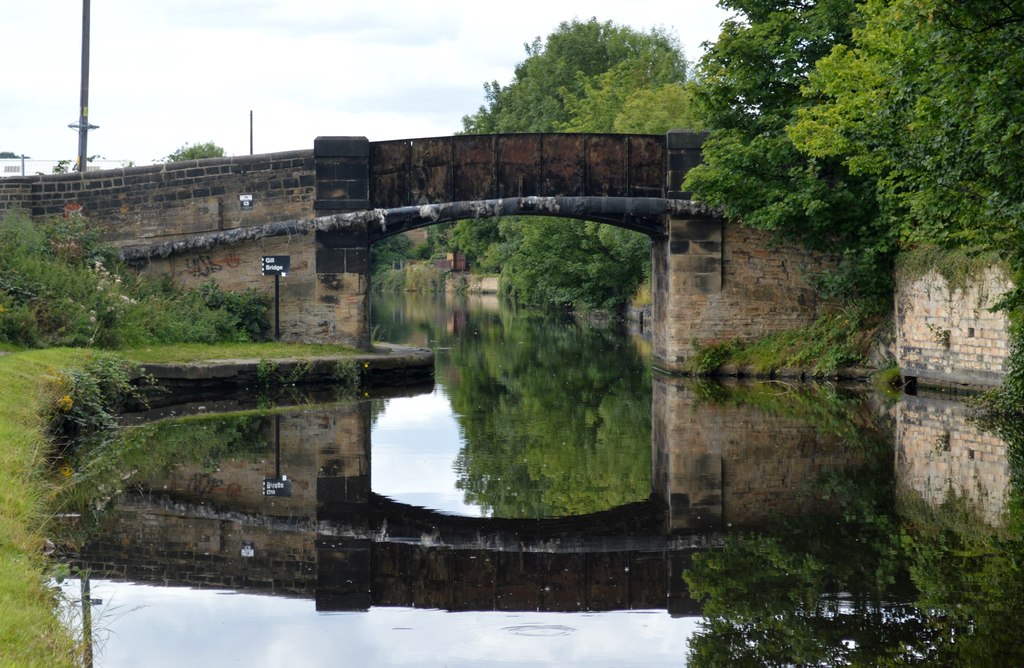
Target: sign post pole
pixel 277 266
pixel 277 307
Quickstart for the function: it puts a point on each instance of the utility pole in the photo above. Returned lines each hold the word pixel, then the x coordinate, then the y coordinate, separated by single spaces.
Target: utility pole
pixel 82 125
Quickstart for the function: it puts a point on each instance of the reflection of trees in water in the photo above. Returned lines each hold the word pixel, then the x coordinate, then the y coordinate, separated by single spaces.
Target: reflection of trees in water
pixel 886 580
pixel 555 415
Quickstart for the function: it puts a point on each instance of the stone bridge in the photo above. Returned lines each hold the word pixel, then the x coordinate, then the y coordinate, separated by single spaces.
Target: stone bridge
pixel 324 208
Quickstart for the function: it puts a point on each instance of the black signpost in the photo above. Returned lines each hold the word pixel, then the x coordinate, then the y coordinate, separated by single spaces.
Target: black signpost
pixel 279 485
pixel 277 266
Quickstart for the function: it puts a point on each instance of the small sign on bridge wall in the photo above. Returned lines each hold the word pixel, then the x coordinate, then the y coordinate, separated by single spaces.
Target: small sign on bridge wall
pixel 245 202
pixel 276 265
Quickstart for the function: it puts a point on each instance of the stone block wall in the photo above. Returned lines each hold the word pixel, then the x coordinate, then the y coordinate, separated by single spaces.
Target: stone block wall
pixel 940 452
pixel 140 205
pixel 313 306
pixel 947 335
pixel 715 281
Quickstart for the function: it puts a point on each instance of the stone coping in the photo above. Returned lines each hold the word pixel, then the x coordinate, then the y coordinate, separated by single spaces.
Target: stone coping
pixel 858 374
pixel 384 357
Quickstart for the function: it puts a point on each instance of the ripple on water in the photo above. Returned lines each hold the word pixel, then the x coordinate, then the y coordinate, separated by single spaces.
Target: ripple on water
pixel 540 630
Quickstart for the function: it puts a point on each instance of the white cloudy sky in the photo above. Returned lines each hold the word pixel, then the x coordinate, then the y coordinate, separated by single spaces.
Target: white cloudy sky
pixel 158 627
pixel 168 73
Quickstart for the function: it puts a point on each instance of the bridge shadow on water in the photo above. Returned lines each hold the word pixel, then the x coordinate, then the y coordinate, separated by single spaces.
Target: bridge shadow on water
pixel 208 521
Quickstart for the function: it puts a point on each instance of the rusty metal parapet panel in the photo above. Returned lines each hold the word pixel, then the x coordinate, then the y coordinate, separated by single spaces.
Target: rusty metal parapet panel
pixel 408 172
pixel 606 174
pixel 474 166
pixel 519 165
pixel 647 165
pixel 564 165
pixel 430 170
pixel 389 174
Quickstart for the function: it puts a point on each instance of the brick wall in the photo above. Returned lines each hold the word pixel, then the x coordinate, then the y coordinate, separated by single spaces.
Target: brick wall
pixel 949 336
pixel 941 452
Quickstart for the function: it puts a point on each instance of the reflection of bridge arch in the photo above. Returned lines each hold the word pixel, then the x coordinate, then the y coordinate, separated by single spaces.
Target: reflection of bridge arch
pixel 713 466
pixel 639 523
pixel 343 566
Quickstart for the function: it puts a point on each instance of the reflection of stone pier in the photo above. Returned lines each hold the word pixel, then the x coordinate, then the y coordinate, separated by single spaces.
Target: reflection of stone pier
pixel 343 495
pixel 941 453
pixel 720 460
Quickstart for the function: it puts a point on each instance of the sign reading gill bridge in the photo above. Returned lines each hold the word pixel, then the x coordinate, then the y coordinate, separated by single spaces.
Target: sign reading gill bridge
pixel 276 265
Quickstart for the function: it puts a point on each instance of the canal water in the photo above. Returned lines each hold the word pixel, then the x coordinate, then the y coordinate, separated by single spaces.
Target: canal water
pixel 550 501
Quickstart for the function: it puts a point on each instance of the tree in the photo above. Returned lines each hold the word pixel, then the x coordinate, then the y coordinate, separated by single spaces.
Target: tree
pixel 928 101
pixel 585 77
pixel 558 72
pixel 196 152
pixel 748 91
pixel 7 155
pixel 572 264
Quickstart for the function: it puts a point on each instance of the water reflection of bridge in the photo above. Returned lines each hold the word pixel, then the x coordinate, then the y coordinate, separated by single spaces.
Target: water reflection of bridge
pixel 715 464
pixel 607 561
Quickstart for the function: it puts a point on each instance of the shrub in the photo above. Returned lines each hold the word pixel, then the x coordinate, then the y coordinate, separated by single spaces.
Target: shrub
pixel 60 287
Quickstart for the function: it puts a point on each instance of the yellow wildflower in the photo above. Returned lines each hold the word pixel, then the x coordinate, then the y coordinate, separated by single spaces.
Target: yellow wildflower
pixel 65 403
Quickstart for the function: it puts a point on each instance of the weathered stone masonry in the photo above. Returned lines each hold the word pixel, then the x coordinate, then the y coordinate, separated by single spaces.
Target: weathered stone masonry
pixel 139 204
pixel 722 280
pixel 947 335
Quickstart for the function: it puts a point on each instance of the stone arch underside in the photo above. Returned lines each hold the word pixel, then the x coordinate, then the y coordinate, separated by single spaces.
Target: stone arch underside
pixel 647 215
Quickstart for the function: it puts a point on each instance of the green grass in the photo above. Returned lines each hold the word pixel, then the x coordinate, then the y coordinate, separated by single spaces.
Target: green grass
pixel 30 633
pixel 198 352
pixel 833 341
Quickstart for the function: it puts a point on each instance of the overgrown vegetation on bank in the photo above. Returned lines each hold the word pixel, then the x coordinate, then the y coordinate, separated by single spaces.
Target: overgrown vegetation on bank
pixel 30 633
pixel 59 286
pixel 836 340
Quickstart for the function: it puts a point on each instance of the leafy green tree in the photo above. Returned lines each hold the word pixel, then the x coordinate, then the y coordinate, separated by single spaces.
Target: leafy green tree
pixel 581 266
pixel 585 77
pixel 8 155
pixel 562 71
pixel 387 251
pixel 928 102
pixel 747 91
pixel 196 152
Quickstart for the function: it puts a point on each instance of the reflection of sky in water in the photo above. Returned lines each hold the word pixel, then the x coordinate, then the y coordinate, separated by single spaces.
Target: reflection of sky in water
pixel 143 625
pixel 415 442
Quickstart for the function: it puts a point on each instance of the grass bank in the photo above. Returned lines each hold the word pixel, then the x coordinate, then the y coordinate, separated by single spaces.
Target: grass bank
pixel 30 632
pixel 199 352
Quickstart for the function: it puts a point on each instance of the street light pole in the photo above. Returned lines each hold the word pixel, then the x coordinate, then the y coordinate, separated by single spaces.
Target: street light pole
pixel 83 126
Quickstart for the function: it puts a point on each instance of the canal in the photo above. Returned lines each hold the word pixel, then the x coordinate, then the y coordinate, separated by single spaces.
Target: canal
pixel 550 501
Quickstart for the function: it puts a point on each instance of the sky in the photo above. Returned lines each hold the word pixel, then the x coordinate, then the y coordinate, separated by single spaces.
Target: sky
pixel 166 74
pixel 415 442
pixel 158 627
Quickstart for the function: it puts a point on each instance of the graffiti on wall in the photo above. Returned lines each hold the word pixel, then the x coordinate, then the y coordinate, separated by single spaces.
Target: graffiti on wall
pixel 204 266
